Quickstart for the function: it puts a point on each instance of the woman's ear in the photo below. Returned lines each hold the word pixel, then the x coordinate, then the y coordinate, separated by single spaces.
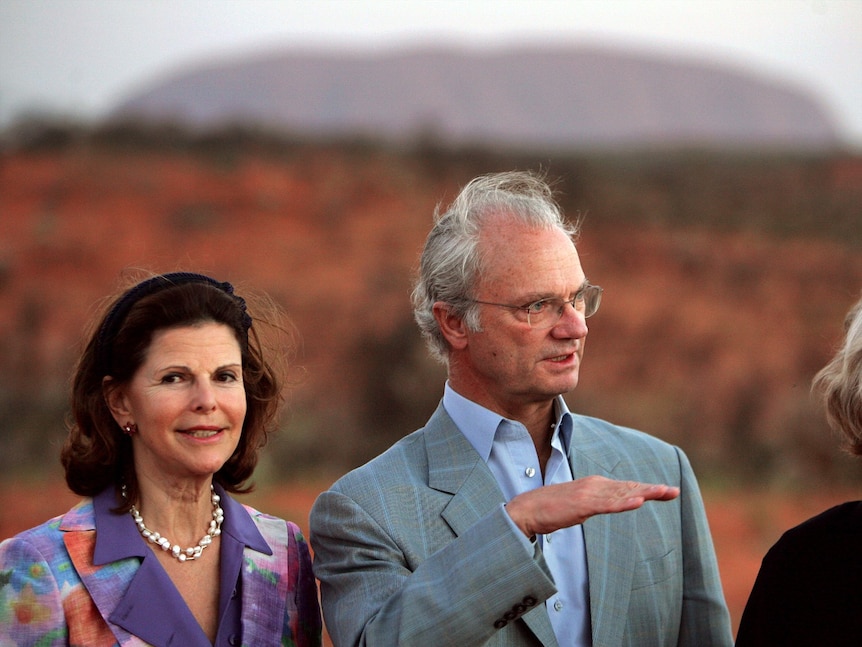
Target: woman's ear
pixel 115 398
pixel 451 325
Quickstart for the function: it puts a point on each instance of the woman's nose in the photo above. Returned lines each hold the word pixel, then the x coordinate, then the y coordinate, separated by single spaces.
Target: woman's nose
pixel 204 397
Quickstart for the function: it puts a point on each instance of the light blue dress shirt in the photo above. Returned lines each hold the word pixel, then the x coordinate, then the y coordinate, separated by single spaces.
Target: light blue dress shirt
pixel 507 448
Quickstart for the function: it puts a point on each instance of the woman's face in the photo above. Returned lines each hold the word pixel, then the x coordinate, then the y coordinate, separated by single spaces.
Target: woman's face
pixel 188 401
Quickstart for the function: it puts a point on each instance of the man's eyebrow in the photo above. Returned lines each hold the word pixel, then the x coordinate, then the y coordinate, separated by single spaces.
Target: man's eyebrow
pixel 584 284
pixel 532 297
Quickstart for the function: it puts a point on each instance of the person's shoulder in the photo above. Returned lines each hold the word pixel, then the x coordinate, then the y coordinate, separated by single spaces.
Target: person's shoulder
pixel 821 545
pixel 402 461
pixel 588 427
pixel 46 536
pixel 843 518
pixel 45 530
pixel 257 517
pixel 260 518
pixel 272 529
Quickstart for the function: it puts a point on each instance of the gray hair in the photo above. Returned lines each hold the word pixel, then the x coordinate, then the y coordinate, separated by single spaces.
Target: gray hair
pixel 451 263
pixel 840 384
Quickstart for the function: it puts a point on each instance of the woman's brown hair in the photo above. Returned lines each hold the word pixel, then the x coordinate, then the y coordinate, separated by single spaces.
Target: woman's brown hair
pixel 97 453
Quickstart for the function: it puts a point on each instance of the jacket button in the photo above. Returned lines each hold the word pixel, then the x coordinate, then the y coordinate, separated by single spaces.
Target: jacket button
pixel 529 601
pixel 499 624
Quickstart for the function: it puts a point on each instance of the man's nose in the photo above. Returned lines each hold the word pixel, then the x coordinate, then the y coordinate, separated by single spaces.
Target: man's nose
pixel 572 323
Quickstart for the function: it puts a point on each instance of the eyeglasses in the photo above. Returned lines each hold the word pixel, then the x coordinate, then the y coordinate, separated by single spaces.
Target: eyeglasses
pixel 544 313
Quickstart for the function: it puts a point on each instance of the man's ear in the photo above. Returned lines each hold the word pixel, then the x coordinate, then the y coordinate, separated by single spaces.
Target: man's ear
pixel 115 398
pixel 451 325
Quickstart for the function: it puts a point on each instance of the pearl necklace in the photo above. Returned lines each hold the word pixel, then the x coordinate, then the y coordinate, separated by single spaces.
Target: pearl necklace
pixel 192 552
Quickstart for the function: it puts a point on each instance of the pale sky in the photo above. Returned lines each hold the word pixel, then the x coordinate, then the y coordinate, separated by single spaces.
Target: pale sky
pixel 81 57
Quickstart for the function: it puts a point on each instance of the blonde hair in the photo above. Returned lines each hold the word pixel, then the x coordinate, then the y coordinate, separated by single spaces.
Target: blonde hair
pixel 840 384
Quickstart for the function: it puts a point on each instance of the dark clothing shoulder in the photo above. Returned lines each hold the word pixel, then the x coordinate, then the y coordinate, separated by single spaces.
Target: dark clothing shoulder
pixel 809 585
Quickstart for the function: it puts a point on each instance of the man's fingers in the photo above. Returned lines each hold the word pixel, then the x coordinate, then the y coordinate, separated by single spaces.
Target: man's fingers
pixel 659 492
pixel 552 507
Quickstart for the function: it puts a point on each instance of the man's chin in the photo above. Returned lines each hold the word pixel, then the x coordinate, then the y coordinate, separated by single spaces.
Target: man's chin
pixel 563 386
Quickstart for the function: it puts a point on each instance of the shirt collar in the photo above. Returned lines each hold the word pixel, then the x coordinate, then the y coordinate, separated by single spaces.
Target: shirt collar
pixel 117 536
pixel 480 425
pixel 239 524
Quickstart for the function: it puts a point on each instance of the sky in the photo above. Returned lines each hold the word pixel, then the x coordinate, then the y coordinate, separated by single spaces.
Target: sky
pixel 79 58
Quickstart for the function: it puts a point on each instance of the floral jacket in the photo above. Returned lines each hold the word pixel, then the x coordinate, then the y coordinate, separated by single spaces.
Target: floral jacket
pixel 59 585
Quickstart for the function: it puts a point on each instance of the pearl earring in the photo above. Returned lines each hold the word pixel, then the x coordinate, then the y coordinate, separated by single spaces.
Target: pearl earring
pixel 130 428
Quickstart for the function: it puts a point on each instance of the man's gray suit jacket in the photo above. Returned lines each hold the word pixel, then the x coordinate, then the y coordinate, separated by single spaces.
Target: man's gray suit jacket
pixel 414 548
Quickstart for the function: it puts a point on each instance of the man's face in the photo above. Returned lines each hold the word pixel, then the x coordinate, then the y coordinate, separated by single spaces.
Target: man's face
pixel 509 364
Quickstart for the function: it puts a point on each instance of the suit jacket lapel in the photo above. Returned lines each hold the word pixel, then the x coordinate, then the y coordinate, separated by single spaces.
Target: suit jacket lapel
pixel 105 584
pixel 456 468
pixel 609 540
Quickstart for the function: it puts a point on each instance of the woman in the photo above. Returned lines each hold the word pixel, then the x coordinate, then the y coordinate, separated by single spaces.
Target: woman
pixel 171 401
pixel 807 590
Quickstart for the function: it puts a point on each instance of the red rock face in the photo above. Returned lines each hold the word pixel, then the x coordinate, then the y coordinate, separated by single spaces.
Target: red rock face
pixel 723 294
pixel 722 299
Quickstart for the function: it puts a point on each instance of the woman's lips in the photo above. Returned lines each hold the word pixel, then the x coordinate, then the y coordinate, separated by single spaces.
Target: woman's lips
pixel 201 432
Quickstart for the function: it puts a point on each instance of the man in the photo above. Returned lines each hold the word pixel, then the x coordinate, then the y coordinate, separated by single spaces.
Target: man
pixel 491 525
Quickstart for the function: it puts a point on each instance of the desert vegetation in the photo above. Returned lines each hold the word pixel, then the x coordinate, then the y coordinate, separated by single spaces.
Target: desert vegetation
pixel 726 276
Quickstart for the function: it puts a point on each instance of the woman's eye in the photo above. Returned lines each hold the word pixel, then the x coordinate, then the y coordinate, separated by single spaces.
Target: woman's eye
pixel 227 377
pixel 171 378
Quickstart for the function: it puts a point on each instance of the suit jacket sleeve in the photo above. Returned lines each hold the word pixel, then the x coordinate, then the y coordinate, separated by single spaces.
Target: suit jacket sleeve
pixel 373 593
pixel 705 620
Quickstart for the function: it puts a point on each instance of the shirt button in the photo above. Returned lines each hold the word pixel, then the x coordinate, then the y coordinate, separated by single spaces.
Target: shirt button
pixel 233 640
pixel 548 538
pixel 558 605
pixel 530 472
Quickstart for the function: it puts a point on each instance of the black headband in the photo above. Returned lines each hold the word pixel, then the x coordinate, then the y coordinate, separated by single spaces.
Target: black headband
pixel 116 316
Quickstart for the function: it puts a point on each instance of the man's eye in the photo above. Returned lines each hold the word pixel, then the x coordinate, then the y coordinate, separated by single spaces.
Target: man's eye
pixel 537 306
